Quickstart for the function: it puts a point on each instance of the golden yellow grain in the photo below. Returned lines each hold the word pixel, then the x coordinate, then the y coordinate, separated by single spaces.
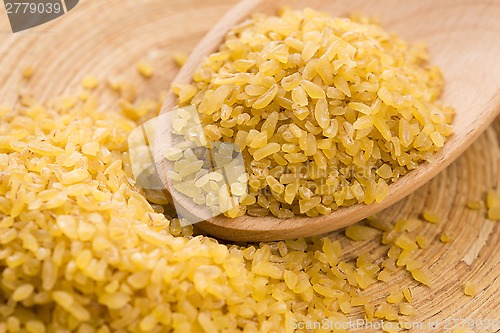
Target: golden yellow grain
pixel 384 276
pixel 22 292
pixel 283 81
pixel 494 213
pixel 431 217
pixel 83 243
pixel 361 233
pixel 28 72
pixel 421 277
pixel 180 58
pixel 120 234
pixel 406 309
pixel 475 204
pixel 422 241
pixel 446 238
pixel 470 289
pixel 408 294
pixel 492 199
pixel 493 205
pixel 90 82
pixel 145 69
pixel 396 296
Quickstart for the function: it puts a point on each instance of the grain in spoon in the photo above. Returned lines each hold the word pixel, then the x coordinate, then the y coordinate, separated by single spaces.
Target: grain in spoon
pixel 463 42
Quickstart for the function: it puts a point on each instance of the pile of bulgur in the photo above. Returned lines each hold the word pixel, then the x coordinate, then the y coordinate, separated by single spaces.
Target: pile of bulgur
pixel 82 250
pixel 326 112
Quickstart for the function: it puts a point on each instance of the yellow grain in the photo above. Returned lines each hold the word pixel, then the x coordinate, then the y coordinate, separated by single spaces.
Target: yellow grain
pixel 28 72
pixel 145 69
pixel 470 289
pixel 180 58
pixel 90 82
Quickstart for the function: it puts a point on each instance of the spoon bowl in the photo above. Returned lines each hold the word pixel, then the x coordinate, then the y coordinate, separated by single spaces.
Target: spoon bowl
pixel 463 40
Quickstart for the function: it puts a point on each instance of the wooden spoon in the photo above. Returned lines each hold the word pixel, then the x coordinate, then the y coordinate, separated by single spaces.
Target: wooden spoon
pixel 464 41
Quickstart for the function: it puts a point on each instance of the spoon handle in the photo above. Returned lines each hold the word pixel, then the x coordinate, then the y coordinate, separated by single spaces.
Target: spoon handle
pixel 209 44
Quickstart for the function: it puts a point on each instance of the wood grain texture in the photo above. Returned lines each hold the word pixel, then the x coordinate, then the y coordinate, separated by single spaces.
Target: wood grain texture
pixel 109 39
pixel 461 37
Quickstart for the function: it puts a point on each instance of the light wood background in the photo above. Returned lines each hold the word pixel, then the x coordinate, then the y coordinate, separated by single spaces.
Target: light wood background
pixel 107 38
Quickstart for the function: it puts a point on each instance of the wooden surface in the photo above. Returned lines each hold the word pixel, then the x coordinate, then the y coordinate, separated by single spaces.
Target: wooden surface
pixel 460 37
pixel 108 38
